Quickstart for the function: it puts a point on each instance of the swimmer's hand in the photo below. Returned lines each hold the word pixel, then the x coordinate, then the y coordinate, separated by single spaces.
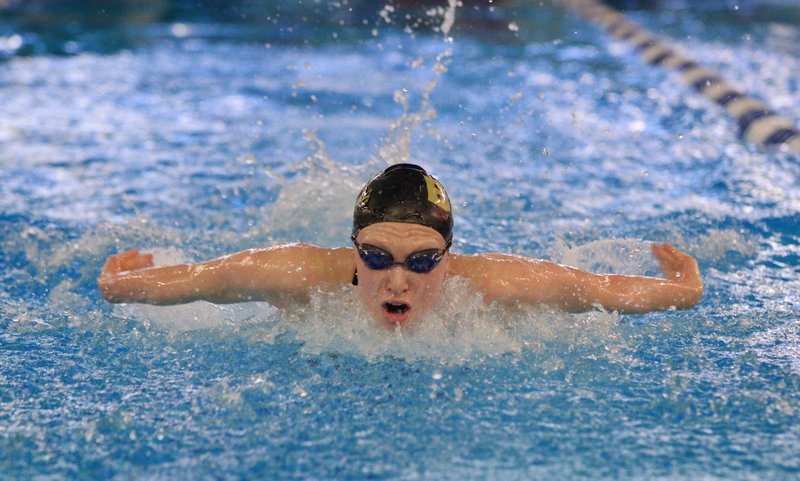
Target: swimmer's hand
pixel 678 266
pixel 131 260
pixel 117 267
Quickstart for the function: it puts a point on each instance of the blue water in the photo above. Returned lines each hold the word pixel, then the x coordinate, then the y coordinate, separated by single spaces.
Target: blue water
pixel 197 133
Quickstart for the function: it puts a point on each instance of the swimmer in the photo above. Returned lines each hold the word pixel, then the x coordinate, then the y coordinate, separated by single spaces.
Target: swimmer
pixel 402 233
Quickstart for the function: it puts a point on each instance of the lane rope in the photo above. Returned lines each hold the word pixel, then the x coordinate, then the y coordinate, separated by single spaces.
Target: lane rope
pixel 758 124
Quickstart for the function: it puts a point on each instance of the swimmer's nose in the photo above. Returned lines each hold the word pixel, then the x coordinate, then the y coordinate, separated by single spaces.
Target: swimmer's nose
pixel 398 280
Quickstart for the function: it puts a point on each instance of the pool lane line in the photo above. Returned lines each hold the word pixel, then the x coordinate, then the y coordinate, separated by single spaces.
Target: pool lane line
pixel 758 124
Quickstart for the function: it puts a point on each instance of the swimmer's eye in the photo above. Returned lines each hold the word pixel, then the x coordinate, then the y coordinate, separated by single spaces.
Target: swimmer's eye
pixel 375 258
pixel 420 262
pixel 423 261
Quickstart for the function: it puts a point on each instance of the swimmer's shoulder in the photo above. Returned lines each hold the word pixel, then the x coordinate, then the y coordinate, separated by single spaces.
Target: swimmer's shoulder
pixel 488 269
pixel 334 266
pixel 462 265
pixel 481 265
pixel 479 268
pixel 506 278
pixel 321 266
pixel 482 270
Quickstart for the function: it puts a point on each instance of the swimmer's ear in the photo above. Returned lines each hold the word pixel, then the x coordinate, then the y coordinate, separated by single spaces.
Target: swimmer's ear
pixel 355 278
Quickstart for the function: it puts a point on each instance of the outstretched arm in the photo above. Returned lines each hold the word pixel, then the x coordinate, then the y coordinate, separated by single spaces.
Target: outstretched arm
pixel 508 278
pixel 273 275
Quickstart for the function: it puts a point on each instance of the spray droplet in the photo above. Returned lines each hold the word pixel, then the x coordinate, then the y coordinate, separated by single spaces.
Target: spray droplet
pixel 545 151
pixel 513 27
pixel 180 30
pixel 637 126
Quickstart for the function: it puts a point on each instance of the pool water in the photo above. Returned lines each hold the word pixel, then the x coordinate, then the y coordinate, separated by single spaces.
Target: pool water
pixel 195 133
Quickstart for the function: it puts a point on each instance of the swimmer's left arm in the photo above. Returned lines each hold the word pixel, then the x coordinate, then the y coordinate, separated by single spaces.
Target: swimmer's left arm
pixel 508 278
pixel 681 287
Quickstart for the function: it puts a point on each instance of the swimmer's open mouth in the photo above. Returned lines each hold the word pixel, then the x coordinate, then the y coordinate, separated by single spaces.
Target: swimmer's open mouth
pixel 396 307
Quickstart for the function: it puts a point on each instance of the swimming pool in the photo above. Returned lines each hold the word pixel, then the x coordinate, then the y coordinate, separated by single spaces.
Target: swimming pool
pixel 194 134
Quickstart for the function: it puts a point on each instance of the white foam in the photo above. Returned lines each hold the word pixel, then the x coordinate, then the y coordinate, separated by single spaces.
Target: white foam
pixel 617 256
pixel 782 342
pixel 199 316
pixel 460 327
pixel 317 204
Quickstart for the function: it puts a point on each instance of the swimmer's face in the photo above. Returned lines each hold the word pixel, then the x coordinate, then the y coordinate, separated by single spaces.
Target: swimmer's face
pixel 397 296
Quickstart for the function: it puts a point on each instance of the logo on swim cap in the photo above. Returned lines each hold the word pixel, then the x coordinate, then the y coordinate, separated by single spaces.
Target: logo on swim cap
pixel 404 193
pixel 436 193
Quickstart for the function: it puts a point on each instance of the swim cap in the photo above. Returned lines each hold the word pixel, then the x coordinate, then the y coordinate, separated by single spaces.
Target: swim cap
pixel 404 193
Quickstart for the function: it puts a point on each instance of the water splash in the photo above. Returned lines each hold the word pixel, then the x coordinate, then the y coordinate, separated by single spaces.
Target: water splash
pixel 460 328
pixel 618 256
pixel 316 205
pixel 397 142
pixel 449 17
pixel 326 188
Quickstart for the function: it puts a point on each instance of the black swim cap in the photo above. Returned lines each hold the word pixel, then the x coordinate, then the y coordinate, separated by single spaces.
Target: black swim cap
pixel 404 193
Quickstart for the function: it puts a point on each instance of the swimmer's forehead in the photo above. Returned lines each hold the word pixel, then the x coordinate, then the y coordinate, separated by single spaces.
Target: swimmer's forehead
pixel 399 234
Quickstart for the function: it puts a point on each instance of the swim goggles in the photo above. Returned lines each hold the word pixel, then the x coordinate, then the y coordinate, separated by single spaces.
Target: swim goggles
pixel 420 262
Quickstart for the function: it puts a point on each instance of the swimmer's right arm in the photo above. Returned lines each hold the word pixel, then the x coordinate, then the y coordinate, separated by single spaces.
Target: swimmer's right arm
pixel 274 275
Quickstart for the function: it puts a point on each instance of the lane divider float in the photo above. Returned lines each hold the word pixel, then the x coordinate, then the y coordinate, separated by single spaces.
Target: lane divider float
pixel 758 124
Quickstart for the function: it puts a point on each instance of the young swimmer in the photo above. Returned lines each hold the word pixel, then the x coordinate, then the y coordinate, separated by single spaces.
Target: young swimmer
pixel 402 232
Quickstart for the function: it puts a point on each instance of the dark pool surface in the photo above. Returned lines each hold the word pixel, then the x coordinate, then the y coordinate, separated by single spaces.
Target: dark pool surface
pixel 194 132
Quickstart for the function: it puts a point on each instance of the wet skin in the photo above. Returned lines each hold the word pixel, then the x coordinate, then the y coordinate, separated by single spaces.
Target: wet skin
pixel 396 296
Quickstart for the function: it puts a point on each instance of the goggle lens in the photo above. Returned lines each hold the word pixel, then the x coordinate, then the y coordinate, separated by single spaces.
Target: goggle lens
pixel 423 261
pixel 420 262
pixel 375 258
